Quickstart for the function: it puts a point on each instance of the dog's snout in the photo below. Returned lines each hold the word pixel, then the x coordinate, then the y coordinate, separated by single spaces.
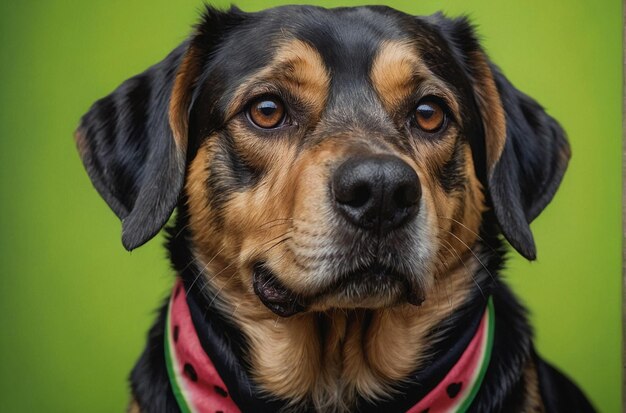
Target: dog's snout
pixel 376 192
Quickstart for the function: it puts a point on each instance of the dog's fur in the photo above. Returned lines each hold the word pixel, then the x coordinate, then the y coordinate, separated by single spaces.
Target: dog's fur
pixel 178 136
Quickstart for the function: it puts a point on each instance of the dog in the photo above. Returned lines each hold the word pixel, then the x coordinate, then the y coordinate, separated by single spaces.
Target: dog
pixel 343 180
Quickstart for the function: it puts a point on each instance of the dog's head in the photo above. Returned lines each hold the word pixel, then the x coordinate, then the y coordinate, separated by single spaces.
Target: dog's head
pixel 325 158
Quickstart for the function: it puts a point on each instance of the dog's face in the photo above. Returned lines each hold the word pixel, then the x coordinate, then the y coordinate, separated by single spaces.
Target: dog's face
pixel 335 166
pixel 325 158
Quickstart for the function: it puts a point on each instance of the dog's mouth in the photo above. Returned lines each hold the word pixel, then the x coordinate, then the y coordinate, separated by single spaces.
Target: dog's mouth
pixel 273 294
pixel 374 281
pixel 356 286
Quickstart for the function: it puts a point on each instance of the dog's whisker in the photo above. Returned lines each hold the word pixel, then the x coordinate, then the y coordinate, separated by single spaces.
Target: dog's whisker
pixel 193 260
pixel 182 229
pixel 210 281
pixel 276 244
pixel 275 220
pixel 470 230
pixel 220 290
pixel 276 225
pixel 467 270
pixel 436 278
pixel 289 231
pixel 201 272
pixel 214 276
pixel 445 285
pixel 235 310
pixel 474 254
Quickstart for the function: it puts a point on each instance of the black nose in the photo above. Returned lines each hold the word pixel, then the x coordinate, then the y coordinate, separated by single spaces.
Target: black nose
pixel 376 192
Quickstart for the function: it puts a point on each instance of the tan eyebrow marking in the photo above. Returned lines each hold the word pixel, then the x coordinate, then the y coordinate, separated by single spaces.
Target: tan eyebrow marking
pixel 296 65
pixel 396 69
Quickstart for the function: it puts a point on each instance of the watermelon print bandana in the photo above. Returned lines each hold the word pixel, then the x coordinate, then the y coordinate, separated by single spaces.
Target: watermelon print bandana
pixel 198 387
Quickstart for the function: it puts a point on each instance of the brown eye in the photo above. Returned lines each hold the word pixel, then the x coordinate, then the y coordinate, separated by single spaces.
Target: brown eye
pixel 267 112
pixel 429 116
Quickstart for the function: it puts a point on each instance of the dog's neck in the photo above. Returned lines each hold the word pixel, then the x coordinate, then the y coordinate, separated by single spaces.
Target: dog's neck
pixel 332 360
pixel 463 364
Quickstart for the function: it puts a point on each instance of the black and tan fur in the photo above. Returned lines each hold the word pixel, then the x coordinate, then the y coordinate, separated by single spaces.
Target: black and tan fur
pixel 177 137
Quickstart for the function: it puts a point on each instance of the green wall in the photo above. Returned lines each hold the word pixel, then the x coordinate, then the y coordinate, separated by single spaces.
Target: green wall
pixel 74 306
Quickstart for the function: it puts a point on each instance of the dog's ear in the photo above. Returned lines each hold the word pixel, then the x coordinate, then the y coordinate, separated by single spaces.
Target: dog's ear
pixel 526 175
pixel 526 150
pixel 133 142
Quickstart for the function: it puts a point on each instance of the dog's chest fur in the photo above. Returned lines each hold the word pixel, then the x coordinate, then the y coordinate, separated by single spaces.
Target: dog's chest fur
pixel 329 359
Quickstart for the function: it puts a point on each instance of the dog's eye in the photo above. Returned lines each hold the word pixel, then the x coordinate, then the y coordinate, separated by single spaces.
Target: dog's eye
pixel 267 112
pixel 429 115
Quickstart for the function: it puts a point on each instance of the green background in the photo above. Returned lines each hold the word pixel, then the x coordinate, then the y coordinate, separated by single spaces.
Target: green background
pixel 75 306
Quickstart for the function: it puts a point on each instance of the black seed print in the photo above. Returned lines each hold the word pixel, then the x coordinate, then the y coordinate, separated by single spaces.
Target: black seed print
pixel 220 391
pixel 190 372
pixel 425 410
pixel 175 334
pixel 453 389
pixel 219 411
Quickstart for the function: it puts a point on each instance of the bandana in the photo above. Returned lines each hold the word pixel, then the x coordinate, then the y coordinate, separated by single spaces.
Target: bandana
pixel 198 386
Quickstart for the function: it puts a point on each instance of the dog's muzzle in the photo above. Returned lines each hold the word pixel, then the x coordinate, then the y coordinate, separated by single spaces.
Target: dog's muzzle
pixel 373 193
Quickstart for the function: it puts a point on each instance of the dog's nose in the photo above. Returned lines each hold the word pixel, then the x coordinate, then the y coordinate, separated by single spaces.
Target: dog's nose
pixel 376 192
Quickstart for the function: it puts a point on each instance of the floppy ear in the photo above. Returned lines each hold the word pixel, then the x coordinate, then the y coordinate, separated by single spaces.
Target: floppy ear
pixel 526 150
pixel 526 175
pixel 133 142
